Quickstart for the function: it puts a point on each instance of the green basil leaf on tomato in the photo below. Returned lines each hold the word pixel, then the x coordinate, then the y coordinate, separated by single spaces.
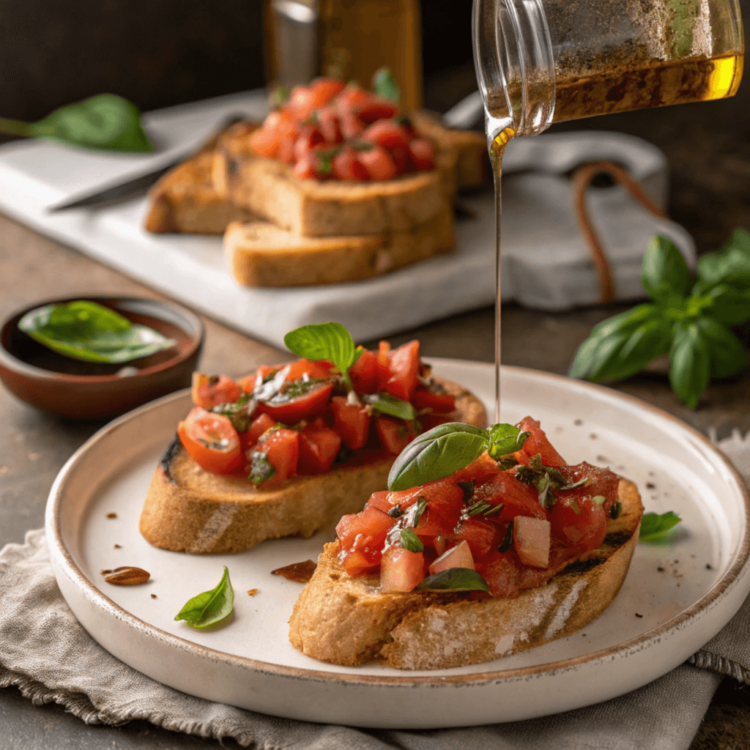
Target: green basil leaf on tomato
pixel 454 579
pixel 385 403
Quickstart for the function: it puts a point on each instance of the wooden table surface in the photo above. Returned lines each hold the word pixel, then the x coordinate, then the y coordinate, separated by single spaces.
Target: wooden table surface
pixel 709 197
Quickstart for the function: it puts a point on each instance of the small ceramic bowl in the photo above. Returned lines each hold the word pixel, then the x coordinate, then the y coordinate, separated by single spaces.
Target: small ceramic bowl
pixel 85 390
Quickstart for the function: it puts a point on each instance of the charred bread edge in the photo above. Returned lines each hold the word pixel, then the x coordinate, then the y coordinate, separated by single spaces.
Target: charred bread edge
pixel 232 515
pixel 440 631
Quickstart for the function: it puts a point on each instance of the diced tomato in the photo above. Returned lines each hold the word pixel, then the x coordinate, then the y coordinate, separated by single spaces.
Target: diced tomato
pixel 480 470
pixel 364 373
pixel 287 146
pixel 456 557
pixel 394 434
pixel 503 574
pixel 209 391
pixel 401 570
pixel 422 154
pixel 439 403
pixel 480 534
pixel 361 539
pixel 578 522
pixel 384 364
pixel 394 138
pixel 444 506
pixel 304 169
pixel 328 124
pixel 346 166
pixel 531 537
pixel 537 442
pixel 265 142
pixel 313 368
pixel 323 90
pixel 281 449
pixel 351 99
pixel 404 368
pixel 378 164
pixel 250 437
pixel 601 482
pixel 517 498
pixel 428 421
pixel 308 139
pixel 318 447
pixel 351 126
pixel 376 108
pixel 351 422
pixel 292 410
pixel 380 501
pixel 211 441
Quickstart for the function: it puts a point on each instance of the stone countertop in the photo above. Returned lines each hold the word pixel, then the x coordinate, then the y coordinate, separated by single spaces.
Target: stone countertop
pixel 710 167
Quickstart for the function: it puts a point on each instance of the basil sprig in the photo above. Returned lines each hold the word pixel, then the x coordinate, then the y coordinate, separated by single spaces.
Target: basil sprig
pixel 210 607
pixel 90 332
pixel 688 320
pixel 655 525
pixel 454 579
pixel 391 406
pixel 384 84
pixel 105 121
pixel 329 341
pixel 447 448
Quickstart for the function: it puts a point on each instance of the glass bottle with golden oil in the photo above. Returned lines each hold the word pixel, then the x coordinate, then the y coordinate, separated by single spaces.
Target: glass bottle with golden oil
pixel 545 61
pixel 348 39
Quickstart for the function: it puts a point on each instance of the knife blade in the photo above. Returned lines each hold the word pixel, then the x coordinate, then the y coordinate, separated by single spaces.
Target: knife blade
pixel 135 185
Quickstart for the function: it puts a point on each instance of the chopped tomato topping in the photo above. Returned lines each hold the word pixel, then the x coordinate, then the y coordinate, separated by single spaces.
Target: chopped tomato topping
pixel 290 409
pixel 362 535
pixel 531 537
pixel 404 368
pixel 401 570
pixel 209 391
pixel 517 498
pixel 394 434
pixel 578 522
pixel 211 441
pixel 378 164
pixel 422 154
pixel 364 373
pixel 313 368
pixel 250 437
pixel 456 557
pixel 351 422
pixel 440 403
pixel 537 442
pixel 318 447
pixel 481 534
pixel 281 450
pixel 346 166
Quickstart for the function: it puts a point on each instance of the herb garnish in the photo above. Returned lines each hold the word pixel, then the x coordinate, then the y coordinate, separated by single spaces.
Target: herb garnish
pixel 329 341
pixel 91 332
pixel 279 97
pixel 410 541
pixel 105 122
pixel 445 449
pixel 384 84
pixel 239 412
pixel 261 469
pixel 482 508
pixel 419 511
pixel 468 488
pixel 507 539
pixel 454 579
pixel 210 607
pixel 687 320
pixel 396 512
pixel 654 525
pixel 390 405
pixel 615 510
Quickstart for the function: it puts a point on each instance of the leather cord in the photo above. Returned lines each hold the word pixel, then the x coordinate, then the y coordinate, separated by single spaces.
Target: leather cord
pixel 581 183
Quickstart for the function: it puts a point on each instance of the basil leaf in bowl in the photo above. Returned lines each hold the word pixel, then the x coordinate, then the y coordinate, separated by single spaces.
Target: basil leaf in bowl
pixel 90 332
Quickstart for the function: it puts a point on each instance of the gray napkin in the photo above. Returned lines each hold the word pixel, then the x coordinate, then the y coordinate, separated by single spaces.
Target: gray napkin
pixel 47 655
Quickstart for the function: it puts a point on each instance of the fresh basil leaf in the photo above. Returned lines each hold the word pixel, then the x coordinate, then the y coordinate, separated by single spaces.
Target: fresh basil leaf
pixel 90 332
pixel 454 579
pixel 655 525
pixel 727 354
pixel 384 84
pixel 105 121
pixel 730 264
pixel 727 303
pixel 410 541
pixel 664 272
pixel 329 341
pixel 210 607
pixel 390 405
pixel 505 439
pixel 437 453
pixel 279 97
pixel 627 321
pixel 690 363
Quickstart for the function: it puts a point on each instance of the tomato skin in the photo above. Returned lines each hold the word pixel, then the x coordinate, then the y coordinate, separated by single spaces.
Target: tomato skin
pixel 376 108
pixel 281 448
pixel 378 164
pixel 313 368
pixel 404 369
pixel 306 406
pixel 261 424
pixel 444 506
pixel 518 499
pixel 318 447
pixel 364 373
pixel 383 365
pixel 351 422
pixel 438 403
pixel 351 99
pixel 401 570
pixel 601 482
pixel 346 166
pixel 392 137
pixel 361 539
pixel 538 442
pixel 209 391
pixel 480 534
pixel 422 154
pixel 328 125
pixel 201 427
pixel 351 126
pixel 394 434
pixel 578 522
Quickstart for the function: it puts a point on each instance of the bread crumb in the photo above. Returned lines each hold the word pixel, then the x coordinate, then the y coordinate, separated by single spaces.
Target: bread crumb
pixel 118 546
pixel 505 644
pixel 252 592
pixel 111 515
pixel 153 596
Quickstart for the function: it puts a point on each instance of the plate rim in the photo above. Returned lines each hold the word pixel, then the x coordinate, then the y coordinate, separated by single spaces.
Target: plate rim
pixel 95 596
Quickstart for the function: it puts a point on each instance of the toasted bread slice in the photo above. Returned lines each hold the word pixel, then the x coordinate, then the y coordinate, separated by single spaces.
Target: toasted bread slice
pixel 188 509
pixel 184 200
pixel 348 620
pixel 262 254
pixel 311 208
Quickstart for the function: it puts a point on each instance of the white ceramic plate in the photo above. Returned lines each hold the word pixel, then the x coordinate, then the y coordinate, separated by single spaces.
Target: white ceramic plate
pixel 675 598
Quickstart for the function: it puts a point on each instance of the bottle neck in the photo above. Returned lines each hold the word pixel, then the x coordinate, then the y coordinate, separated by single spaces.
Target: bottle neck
pixel 514 62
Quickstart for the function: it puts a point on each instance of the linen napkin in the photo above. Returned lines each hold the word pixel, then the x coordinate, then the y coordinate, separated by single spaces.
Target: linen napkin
pixel 47 655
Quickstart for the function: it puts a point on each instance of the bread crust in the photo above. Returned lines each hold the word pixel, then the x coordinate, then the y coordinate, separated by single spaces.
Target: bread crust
pixel 188 509
pixel 261 254
pixel 348 620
